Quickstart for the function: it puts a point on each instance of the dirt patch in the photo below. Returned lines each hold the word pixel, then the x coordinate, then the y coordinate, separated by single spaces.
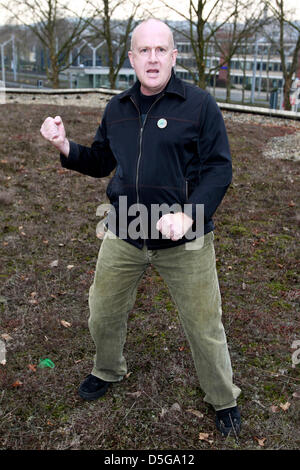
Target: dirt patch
pixel 49 215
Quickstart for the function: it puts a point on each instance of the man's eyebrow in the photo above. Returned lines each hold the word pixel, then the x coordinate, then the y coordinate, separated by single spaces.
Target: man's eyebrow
pixel 159 45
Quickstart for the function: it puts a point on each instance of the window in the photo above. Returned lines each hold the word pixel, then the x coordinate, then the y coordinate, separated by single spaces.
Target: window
pixel 184 48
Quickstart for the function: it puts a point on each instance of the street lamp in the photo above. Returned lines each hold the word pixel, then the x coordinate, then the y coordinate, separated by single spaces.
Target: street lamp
pixel 12 39
pixel 94 49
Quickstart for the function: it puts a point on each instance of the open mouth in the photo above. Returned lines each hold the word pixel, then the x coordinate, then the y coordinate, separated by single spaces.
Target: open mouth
pixel 153 72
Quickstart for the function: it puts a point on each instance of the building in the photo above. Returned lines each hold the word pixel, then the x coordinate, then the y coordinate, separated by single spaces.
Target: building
pixel 257 60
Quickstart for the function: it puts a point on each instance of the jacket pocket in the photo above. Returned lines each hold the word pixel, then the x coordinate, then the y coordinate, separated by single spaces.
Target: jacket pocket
pixel 113 189
pixel 186 190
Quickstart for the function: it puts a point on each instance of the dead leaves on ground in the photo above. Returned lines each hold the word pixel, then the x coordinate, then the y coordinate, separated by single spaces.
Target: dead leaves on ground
pixel 164 410
pixel 296 394
pixel 203 436
pixel 284 406
pixel 33 300
pixel 55 263
pixel 6 337
pixel 66 324
pixel 261 441
pixel 195 412
pixel 17 383
pixel 206 436
pixel 134 394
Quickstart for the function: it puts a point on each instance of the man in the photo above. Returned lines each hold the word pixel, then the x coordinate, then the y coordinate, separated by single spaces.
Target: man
pixel 168 143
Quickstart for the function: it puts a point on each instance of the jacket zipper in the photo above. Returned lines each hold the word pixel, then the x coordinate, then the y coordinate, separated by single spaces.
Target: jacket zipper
pixel 140 146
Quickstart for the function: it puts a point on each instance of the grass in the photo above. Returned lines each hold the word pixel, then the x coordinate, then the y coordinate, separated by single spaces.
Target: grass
pixel 49 214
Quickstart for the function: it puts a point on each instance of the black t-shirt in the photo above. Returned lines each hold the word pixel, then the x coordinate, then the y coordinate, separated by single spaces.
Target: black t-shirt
pixel 145 103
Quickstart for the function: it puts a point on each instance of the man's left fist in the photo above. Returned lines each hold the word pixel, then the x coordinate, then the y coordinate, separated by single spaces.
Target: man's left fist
pixel 174 226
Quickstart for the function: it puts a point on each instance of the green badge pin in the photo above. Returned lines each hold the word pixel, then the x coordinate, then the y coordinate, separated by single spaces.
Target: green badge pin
pixel 162 123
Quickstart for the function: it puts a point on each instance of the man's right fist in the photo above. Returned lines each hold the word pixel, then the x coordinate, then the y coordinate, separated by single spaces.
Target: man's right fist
pixel 53 130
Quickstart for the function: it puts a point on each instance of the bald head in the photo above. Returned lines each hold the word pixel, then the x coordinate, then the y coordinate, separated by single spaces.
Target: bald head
pixel 152 55
pixel 152 26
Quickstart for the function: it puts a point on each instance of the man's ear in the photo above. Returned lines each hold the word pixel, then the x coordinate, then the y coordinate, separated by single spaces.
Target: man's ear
pixel 174 56
pixel 130 56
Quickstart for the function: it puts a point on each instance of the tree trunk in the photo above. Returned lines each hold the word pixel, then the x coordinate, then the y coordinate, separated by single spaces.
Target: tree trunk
pixel 55 80
pixel 286 93
pixel 201 75
pixel 228 82
pixel 112 80
pixel 54 72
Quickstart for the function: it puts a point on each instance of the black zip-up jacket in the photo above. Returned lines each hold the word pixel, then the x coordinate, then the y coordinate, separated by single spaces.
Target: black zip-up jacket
pixel 185 161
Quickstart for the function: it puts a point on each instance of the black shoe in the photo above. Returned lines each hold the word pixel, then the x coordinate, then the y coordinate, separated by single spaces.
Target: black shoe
pixel 228 421
pixel 93 387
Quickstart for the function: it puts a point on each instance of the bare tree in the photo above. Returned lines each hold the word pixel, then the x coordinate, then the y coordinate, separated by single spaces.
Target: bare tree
pixel 243 54
pixel 247 19
pixel 285 37
pixel 48 21
pixel 115 32
pixel 204 18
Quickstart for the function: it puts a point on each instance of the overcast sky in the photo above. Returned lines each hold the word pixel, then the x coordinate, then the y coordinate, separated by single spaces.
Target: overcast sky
pixel 161 12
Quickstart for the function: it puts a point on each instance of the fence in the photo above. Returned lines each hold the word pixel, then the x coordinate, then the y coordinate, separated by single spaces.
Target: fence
pixel 99 97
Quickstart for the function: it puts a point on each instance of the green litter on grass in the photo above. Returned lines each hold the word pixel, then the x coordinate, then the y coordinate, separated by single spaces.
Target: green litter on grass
pixel 46 363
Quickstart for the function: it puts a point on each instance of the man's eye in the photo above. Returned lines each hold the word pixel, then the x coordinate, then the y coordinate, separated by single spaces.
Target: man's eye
pixel 161 51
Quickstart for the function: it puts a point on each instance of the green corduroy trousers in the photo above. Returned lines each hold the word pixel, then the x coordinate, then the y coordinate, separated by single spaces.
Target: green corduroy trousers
pixel 189 270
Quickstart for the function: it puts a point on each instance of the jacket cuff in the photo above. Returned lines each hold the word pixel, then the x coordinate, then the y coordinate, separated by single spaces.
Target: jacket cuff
pixel 73 155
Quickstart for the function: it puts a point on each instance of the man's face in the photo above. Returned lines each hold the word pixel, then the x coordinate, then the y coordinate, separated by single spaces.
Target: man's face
pixel 152 56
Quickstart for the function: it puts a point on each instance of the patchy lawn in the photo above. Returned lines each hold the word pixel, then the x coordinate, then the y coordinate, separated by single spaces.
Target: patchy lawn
pixel 48 215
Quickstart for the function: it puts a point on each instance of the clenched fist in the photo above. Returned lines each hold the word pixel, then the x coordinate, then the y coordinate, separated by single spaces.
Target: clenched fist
pixel 53 130
pixel 174 226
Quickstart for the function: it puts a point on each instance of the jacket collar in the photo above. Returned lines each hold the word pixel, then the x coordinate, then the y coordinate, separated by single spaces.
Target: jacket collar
pixel 174 86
